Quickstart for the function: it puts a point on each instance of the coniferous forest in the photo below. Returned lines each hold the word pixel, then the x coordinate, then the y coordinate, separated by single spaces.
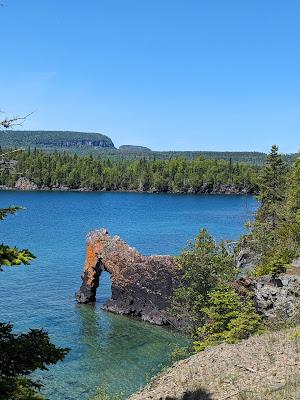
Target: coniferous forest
pixel 54 170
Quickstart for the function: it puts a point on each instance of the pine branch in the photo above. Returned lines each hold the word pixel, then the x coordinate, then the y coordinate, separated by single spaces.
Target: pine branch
pixel 4 212
pixel 10 256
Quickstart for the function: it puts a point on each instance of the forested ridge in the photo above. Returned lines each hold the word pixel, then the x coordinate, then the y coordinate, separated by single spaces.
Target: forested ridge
pixel 101 146
pixel 54 139
pixel 51 170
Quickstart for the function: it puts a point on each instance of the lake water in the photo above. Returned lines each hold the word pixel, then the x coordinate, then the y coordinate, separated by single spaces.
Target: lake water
pixel 106 349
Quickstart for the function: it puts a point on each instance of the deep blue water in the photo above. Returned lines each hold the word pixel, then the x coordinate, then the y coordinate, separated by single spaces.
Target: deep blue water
pixel 106 349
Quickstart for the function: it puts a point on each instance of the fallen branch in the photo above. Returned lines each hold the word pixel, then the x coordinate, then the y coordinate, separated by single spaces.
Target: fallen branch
pixel 246 368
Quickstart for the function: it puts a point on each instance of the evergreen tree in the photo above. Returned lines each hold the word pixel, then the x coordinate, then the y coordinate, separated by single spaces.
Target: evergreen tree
pixel 10 256
pixel 294 190
pixel 204 265
pixel 229 318
pixel 276 229
pixel 272 190
pixel 269 227
pixel 177 175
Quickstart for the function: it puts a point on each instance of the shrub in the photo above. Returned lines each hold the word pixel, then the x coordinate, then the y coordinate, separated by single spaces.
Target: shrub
pixel 204 265
pixel 275 264
pixel 103 393
pixel 230 318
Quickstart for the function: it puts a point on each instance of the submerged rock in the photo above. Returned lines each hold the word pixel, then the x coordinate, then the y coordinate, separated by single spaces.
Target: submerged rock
pixel 141 285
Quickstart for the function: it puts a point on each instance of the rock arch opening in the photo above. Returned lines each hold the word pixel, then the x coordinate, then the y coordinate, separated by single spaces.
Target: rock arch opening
pixel 104 288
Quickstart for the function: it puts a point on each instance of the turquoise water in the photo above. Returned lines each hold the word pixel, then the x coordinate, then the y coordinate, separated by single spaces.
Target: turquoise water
pixel 106 348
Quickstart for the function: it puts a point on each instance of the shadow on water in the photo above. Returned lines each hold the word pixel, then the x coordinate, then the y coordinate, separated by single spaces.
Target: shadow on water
pixel 121 352
pixel 199 394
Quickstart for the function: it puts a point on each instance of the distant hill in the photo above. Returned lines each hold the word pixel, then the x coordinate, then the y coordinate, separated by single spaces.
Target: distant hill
pixel 102 146
pixel 130 147
pixel 54 139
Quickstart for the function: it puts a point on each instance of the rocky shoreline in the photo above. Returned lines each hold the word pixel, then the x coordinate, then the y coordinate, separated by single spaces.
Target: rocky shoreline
pixel 24 184
pixel 142 286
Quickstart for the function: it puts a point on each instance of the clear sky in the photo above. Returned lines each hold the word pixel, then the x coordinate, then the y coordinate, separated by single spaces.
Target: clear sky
pixel 168 74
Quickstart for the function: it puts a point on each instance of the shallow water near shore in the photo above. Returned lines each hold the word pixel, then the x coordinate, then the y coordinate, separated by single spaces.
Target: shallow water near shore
pixel 108 349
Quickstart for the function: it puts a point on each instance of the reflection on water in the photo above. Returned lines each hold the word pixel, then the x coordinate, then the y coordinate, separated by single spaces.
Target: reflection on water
pixel 113 350
pixel 105 348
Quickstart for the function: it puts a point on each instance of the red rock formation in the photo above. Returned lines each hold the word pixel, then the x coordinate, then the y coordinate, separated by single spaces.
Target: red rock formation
pixel 141 285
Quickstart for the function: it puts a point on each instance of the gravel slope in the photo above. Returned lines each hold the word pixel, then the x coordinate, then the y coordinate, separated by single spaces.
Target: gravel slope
pixel 263 367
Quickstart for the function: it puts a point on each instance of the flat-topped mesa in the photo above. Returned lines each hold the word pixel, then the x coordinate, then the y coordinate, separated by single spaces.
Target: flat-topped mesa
pixel 141 285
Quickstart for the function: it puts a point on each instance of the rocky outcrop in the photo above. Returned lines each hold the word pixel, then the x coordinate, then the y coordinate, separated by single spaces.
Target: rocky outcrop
pixel 276 297
pixel 246 260
pixel 25 184
pixel 141 285
pixel 222 188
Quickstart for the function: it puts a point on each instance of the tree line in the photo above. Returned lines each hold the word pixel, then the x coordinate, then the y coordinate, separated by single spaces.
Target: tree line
pixel 50 170
pixel 208 297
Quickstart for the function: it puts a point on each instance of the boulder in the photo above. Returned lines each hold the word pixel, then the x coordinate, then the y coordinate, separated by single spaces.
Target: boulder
pixel 25 184
pixel 246 260
pixel 275 297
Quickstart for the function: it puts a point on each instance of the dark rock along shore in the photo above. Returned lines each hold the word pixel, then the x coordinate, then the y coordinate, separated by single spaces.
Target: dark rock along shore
pixel 141 285
pixel 27 185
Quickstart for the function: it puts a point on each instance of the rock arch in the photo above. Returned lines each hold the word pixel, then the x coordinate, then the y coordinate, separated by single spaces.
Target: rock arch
pixel 141 285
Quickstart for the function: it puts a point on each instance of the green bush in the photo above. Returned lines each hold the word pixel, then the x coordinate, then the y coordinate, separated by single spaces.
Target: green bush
pixel 204 265
pixel 103 393
pixel 275 264
pixel 230 318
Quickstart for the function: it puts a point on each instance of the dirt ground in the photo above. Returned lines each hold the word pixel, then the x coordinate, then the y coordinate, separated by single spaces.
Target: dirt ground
pixel 265 367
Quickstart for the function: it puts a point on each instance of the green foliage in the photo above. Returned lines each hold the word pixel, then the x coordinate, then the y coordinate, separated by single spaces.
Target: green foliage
pixel 293 202
pixel 53 139
pixel 269 225
pixel 275 264
pixel 174 175
pixel 4 212
pixel 272 190
pixel 179 353
pixel 20 355
pixel 17 389
pixel 103 393
pixel 24 353
pixel 10 256
pixel 101 146
pixel 294 188
pixel 204 265
pixel 230 318
pixel 276 230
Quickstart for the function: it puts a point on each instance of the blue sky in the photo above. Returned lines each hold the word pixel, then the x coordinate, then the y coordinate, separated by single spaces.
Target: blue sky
pixel 168 74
